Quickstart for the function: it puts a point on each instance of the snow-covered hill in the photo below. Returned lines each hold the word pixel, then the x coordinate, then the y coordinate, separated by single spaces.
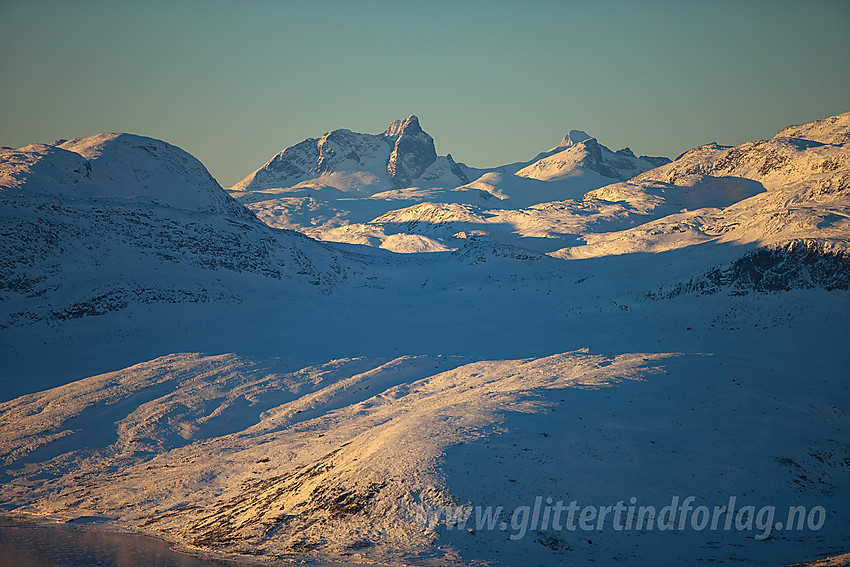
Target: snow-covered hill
pixel 94 224
pixel 114 166
pixel 171 365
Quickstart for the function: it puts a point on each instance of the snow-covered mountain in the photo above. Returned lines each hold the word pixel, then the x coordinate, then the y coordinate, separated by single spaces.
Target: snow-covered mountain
pixel 361 163
pixel 772 192
pixel 173 366
pixel 579 151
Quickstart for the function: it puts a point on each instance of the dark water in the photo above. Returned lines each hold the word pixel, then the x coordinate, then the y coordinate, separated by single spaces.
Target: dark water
pixel 26 545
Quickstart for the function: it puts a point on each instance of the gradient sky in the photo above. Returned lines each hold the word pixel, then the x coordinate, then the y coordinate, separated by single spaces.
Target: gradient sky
pixel 493 82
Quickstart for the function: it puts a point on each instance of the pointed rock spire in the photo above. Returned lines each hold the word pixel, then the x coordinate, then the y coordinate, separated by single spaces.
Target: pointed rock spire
pixel 412 153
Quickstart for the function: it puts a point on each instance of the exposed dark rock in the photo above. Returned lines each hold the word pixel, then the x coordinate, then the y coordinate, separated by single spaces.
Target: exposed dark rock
pixel 413 152
pixel 657 161
pixel 796 265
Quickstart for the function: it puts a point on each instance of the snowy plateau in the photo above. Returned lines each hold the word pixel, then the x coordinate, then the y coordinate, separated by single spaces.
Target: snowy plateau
pixel 362 343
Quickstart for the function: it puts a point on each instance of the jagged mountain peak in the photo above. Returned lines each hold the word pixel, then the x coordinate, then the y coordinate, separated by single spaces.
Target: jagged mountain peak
pixel 369 403
pixel 403 155
pixel 574 137
pixel 413 152
pixel 397 127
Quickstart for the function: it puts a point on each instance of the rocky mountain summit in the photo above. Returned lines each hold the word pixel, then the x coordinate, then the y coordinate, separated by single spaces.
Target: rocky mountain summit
pixel 349 161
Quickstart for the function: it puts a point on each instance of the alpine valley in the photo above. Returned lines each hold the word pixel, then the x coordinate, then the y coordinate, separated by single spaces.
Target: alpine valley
pixel 368 353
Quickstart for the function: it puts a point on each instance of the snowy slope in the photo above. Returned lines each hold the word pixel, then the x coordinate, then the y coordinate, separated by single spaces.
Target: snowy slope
pixel 174 366
pixel 795 179
pixel 772 192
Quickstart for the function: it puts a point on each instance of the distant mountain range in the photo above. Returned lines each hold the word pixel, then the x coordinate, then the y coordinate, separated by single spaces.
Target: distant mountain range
pixel 577 180
pixel 334 187
pixel 404 156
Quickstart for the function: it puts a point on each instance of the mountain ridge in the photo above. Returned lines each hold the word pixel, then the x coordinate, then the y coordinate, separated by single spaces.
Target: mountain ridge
pixel 346 205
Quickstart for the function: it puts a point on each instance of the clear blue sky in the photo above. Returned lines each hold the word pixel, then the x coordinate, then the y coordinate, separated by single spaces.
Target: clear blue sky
pixel 493 82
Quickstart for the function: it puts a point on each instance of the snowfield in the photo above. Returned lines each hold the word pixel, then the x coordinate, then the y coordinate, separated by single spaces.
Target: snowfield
pixel 453 354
